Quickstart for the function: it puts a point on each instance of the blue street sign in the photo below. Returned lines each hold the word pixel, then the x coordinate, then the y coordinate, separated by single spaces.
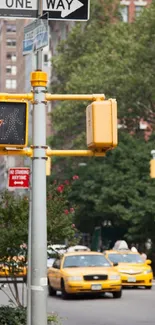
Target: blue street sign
pixel 35 35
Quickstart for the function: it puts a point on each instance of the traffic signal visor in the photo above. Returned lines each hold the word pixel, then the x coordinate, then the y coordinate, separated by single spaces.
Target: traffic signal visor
pixel 152 168
pixel 101 124
pixel 13 124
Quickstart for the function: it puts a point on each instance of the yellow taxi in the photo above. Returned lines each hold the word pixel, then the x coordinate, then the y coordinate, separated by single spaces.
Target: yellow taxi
pixel 14 267
pixel 83 272
pixel 133 269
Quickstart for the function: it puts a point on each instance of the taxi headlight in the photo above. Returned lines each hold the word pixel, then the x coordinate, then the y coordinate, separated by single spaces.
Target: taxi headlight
pixel 75 278
pixel 114 277
pixel 147 271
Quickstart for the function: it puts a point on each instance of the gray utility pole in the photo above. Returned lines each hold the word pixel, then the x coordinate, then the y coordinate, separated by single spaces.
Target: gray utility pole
pixel 29 253
pixel 39 223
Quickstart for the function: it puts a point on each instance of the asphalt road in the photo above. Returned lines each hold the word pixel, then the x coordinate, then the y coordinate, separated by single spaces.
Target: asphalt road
pixel 136 307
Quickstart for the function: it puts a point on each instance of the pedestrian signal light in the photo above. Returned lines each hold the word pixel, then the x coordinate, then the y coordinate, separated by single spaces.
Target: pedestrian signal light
pixel 48 166
pixel 152 168
pixel 13 124
pixel 101 125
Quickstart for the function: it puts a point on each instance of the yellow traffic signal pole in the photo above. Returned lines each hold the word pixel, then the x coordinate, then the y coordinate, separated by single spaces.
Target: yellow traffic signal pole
pixel 6 96
pixel 95 97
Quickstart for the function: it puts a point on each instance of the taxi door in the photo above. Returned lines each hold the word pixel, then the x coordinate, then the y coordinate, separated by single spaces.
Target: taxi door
pixel 54 274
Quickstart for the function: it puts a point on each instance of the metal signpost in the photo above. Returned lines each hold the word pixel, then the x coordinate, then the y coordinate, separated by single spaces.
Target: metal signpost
pixel 77 10
pixel 19 177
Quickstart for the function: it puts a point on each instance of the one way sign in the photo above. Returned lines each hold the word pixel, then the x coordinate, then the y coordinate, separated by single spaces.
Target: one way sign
pixel 77 10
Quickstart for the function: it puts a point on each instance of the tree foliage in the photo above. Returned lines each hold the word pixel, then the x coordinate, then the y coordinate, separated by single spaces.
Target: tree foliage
pixel 60 213
pixel 117 59
pixel 105 56
pixel 13 223
pixel 14 211
pixel 118 189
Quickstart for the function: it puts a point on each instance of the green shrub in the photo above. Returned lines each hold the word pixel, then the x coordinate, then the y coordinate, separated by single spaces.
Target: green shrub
pixel 17 316
pixel 12 316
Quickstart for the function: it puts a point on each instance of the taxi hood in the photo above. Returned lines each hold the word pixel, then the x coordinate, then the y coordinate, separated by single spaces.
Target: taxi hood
pixel 132 266
pixel 89 270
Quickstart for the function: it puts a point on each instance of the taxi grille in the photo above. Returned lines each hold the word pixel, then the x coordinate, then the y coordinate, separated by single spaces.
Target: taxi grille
pixel 95 277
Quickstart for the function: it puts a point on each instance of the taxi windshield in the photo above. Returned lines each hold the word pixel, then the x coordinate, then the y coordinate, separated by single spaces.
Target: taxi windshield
pixel 85 261
pixel 125 258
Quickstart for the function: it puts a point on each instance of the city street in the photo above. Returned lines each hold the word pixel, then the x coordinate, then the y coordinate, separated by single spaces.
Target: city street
pixel 136 307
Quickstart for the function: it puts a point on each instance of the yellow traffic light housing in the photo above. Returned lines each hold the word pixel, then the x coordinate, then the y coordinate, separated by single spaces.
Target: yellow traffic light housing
pixel 152 168
pixel 101 125
pixel 13 123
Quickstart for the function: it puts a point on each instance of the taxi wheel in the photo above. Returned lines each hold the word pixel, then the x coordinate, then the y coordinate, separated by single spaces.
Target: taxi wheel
pixel 148 287
pixel 117 294
pixel 65 295
pixel 51 291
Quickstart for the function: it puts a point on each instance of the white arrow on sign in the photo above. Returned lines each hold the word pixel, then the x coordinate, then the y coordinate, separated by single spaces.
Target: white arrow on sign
pixel 65 6
pixel 21 183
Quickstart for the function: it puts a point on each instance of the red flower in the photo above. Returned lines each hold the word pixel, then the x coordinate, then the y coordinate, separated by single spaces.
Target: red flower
pixel 66 211
pixel 75 177
pixel 60 188
pixel 72 210
pixel 66 182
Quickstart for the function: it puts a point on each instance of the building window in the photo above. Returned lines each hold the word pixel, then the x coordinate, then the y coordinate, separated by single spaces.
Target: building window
pixel 138 10
pixel 11 28
pixel 14 70
pixel 124 10
pixel 11 69
pixel 45 59
pixel 11 42
pixel 11 56
pixel 8 69
pixel 11 84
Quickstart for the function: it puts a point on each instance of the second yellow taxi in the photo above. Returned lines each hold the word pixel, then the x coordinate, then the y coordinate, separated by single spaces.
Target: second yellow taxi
pixel 133 269
pixel 83 272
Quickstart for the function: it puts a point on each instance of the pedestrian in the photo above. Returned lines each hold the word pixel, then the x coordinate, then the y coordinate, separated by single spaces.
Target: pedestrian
pixel 144 256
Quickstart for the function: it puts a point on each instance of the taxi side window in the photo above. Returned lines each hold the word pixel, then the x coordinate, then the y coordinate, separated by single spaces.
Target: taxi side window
pixel 57 263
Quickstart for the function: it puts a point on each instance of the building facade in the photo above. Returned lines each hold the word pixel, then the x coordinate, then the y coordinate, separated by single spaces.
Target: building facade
pixel 132 8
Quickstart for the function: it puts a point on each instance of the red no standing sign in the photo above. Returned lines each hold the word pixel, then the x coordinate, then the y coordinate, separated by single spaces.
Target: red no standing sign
pixel 19 177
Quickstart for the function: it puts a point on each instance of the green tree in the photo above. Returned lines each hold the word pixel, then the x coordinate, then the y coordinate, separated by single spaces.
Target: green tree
pixel 105 56
pixel 13 233
pixel 108 56
pixel 119 190
pixel 60 213
pixel 14 213
pixel 92 57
